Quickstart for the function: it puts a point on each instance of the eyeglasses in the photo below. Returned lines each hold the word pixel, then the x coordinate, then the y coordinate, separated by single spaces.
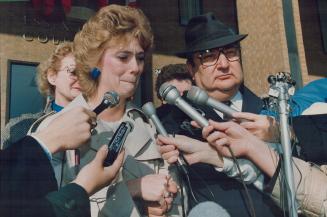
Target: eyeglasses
pixel 70 70
pixel 210 57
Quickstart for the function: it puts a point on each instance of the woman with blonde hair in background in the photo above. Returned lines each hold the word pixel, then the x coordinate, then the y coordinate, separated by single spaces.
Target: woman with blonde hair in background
pixel 56 81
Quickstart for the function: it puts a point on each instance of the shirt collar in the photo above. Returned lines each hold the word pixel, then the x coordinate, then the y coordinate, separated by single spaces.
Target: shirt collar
pixel 237 101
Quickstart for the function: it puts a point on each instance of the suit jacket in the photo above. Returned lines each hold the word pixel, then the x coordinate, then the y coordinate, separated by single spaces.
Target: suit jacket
pixel 311 131
pixel 207 183
pixel 28 185
pixel 142 158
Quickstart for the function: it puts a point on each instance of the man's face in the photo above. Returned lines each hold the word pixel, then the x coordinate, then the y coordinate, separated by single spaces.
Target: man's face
pixel 218 71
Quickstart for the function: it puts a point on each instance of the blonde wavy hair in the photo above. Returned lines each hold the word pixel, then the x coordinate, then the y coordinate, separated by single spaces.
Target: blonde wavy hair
pixel 52 65
pixel 112 23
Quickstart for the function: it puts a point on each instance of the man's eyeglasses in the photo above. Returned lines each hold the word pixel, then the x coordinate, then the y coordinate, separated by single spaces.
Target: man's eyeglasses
pixel 210 57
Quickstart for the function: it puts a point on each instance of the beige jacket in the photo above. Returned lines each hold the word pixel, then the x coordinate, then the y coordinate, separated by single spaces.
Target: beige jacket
pixel 311 188
pixel 141 158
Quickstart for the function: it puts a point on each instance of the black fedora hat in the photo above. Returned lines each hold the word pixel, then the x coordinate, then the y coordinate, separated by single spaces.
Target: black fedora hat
pixel 205 32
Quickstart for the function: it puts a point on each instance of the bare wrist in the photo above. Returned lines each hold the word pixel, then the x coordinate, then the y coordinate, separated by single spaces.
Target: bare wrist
pixel 84 185
pixel 47 141
pixel 217 161
pixel 253 148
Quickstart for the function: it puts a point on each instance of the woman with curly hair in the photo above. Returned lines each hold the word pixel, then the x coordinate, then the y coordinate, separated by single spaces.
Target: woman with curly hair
pixel 57 81
pixel 110 52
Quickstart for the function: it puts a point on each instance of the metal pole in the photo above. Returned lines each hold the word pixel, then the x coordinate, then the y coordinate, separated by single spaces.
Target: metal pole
pixel 287 151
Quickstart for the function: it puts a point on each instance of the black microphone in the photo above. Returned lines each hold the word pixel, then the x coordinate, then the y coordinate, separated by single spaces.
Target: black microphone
pixel 171 95
pixel 150 112
pixel 208 209
pixel 110 99
pixel 117 142
pixel 199 96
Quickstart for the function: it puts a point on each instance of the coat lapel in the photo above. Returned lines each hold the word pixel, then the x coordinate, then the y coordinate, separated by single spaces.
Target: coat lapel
pixel 251 102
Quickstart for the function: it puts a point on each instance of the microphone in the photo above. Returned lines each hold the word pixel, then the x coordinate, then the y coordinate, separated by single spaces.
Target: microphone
pixel 171 95
pixel 110 99
pixel 208 209
pixel 150 112
pixel 199 96
pixel 117 142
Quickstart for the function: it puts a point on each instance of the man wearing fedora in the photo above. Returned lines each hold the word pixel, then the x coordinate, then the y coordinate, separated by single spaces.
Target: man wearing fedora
pixel 212 51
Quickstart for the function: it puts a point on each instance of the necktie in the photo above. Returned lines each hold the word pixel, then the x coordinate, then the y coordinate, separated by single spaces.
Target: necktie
pixel 228 103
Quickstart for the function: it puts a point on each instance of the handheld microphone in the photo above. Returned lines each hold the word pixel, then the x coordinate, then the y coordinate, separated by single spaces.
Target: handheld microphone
pixel 171 95
pixel 208 209
pixel 150 112
pixel 117 142
pixel 110 99
pixel 199 96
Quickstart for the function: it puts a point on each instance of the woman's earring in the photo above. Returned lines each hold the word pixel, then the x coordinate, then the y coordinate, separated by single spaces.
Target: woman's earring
pixel 95 73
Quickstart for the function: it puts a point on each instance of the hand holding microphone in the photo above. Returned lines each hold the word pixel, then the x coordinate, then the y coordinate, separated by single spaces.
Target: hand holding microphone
pixel 110 99
pixel 150 112
pixel 68 131
pixel 264 127
pixel 171 95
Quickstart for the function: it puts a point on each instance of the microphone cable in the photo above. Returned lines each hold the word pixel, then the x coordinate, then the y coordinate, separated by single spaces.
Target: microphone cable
pixel 188 180
pixel 249 200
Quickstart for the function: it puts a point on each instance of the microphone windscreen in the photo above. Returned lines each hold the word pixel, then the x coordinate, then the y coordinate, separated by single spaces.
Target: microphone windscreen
pixel 112 98
pixel 149 109
pixel 208 209
pixel 197 95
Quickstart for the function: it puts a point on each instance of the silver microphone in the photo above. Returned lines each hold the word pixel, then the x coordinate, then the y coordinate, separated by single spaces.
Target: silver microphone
pixel 199 96
pixel 110 99
pixel 171 95
pixel 150 112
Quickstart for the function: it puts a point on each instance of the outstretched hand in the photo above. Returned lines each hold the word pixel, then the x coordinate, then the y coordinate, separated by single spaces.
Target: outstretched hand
pixel 95 176
pixel 194 151
pixel 223 135
pixel 69 130
pixel 264 127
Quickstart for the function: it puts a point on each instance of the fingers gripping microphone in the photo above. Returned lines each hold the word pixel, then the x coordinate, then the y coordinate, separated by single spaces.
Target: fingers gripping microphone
pixel 150 112
pixel 199 96
pixel 110 99
pixel 171 95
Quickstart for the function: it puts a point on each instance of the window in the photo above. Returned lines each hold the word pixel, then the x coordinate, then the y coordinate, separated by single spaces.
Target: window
pixel 24 96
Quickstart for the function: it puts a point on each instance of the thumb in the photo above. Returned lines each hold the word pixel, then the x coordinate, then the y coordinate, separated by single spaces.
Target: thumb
pixel 119 161
pixel 101 155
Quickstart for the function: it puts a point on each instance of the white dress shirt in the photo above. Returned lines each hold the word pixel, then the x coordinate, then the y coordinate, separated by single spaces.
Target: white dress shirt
pixel 250 173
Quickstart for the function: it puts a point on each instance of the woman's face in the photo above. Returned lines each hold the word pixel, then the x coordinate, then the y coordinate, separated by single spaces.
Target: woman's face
pixel 65 82
pixel 121 67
